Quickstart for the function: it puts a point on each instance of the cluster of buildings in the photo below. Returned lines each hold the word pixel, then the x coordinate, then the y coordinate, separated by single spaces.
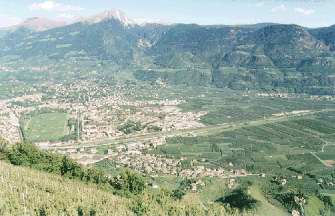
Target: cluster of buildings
pixel 101 118
pixel 202 171
pixel 295 113
pixel 9 124
pixel 133 155
pixel 276 95
pixel 148 164
pixel 322 97
pixel 5 69
pixel 292 95
pixel 171 117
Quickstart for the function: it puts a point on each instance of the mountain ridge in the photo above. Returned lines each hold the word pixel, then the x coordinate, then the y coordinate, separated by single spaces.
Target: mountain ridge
pixel 107 15
pixel 264 55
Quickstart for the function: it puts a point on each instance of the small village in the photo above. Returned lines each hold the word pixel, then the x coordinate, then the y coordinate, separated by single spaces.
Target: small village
pixel 134 155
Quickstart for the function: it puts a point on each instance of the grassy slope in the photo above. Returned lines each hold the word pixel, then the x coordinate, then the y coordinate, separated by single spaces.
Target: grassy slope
pixel 217 188
pixel 26 191
pixel 313 206
pixel 265 208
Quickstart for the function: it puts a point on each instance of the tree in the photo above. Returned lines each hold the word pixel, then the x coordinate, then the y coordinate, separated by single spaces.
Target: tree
pixel 42 212
pixel 92 212
pixel 130 127
pixel 177 194
pixel 95 176
pixel 71 169
pixel 129 182
pixel 80 211
pixel 24 154
pixel 239 199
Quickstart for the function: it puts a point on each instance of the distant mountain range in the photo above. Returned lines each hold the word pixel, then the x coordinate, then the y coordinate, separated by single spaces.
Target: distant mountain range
pixel 260 56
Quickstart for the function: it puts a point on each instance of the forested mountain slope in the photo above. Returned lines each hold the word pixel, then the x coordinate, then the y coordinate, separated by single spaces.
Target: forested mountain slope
pixel 271 56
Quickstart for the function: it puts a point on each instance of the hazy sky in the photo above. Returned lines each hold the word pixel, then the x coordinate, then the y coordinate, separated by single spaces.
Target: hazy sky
pixel 309 13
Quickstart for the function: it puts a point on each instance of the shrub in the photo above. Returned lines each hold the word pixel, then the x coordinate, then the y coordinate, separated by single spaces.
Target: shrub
pixel 129 182
pixel 71 169
pixel 287 199
pixel 130 127
pixel 25 154
pixel 80 211
pixel 177 194
pixel 42 212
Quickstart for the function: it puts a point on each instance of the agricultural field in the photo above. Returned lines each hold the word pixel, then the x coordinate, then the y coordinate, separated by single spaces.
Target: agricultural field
pixel 51 126
pixel 226 106
pixel 260 147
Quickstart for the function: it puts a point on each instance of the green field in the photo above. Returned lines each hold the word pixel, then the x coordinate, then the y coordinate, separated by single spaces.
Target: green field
pixel 46 127
pixel 225 106
pixel 265 207
pixel 261 147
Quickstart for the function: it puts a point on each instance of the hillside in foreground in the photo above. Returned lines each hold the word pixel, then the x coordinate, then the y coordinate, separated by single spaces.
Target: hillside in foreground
pixel 24 191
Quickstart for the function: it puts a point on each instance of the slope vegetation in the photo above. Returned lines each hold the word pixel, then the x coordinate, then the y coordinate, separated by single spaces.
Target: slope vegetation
pixel 24 191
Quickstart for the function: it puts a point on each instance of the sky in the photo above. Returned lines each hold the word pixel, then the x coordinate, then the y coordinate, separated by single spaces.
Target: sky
pixel 309 13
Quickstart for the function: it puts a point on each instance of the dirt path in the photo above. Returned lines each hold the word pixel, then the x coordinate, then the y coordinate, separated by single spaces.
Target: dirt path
pixel 319 159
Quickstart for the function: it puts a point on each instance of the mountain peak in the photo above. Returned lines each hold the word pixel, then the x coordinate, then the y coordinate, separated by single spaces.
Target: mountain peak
pixel 40 24
pixel 111 14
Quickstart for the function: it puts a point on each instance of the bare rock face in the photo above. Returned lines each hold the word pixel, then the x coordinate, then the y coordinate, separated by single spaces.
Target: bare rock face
pixel 110 15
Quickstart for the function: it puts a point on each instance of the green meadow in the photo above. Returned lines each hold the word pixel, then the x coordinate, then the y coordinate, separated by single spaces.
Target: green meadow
pixel 46 127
